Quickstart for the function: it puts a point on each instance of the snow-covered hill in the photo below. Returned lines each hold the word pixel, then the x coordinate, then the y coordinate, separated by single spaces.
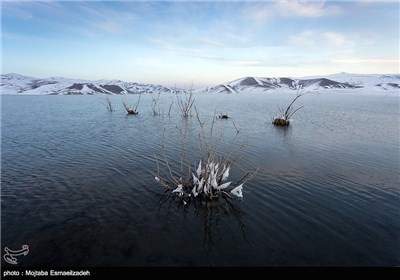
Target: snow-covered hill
pixel 17 84
pixel 335 81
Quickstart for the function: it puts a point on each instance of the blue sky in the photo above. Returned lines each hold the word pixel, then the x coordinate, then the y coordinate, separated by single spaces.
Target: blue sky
pixel 180 42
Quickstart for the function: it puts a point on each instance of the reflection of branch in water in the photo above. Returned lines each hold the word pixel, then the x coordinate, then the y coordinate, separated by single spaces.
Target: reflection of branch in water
pixel 236 212
pixel 286 132
pixel 209 212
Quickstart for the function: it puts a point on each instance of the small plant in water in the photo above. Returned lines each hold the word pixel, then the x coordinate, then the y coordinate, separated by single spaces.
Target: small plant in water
pixel 155 110
pixel 107 103
pixel 284 119
pixel 223 116
pixel 185 105
pixel 206 180
pixel 132 110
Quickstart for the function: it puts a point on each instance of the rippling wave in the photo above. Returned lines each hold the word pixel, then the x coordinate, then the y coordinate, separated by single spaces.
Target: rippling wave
pixel 78 182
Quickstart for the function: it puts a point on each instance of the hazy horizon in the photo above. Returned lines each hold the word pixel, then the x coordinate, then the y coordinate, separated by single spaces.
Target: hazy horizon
pixel 204 43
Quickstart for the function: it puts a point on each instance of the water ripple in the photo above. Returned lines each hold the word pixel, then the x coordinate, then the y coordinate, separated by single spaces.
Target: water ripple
pixel 326 192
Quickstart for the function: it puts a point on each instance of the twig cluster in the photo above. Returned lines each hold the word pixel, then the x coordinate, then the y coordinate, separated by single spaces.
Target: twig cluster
pixel 185 105
pixel 108 104
pixel 284 119
pixel 208 179
pixel 132 110
pixel 154 105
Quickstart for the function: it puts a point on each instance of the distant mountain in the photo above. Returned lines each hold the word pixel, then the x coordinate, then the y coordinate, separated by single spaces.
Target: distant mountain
pixel 335 81
pixel 17 84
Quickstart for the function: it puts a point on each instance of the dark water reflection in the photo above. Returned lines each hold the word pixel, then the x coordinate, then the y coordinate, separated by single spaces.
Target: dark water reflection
pixel 78 183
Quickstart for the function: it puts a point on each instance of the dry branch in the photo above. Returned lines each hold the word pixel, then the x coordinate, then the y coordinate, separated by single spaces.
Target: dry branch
pixel 284 120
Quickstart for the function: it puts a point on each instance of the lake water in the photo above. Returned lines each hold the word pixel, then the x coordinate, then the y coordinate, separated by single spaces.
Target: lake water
pixel 78 182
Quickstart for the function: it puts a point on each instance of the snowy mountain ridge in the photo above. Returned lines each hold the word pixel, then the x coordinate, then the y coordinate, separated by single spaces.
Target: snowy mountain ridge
pixel 18 84
pixel 311 83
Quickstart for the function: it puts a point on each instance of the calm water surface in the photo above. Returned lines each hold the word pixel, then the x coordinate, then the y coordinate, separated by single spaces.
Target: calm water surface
pixel 77 182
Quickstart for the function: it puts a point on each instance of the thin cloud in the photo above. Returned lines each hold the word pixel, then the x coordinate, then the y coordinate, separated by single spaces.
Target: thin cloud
pixel 307 9
pixel 367 61
pixel 294 8
pixel 337 39
pixel 304 39
pixel 309 38
pixel 83 18
pixel 104 19
pixel 197 36
pixel 17 12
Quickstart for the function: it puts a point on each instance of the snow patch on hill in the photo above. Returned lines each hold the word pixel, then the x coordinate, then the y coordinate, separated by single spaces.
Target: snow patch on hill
pixel 18 84
pixel 311 83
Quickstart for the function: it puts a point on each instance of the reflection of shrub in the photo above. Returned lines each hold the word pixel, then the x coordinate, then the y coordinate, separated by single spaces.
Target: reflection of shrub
pixel 207 213
pixel 207 179
pixel 289 112
pixel 154 105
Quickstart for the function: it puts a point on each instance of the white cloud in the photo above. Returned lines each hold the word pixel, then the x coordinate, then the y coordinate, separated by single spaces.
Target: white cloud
pixel 300 8
pixel 367 61
pixel 305 38
pixel 17 11
pixel 335 38
pixel 291 8
pixel 309 38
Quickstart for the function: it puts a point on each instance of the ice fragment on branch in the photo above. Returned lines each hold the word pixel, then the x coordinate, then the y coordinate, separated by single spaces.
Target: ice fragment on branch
pixel 223 186
pixel 238 191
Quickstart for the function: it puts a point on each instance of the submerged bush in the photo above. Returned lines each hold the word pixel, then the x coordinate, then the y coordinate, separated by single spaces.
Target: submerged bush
pixel 108 104
pixel 284 119
pixel 223 116
pixel 208 178
pixel 185 105
pixel 132 110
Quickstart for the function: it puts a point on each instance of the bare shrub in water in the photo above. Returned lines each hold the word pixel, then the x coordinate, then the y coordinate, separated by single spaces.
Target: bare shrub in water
pixel 108 104
pixel 185 104
pixel 207 179
pixel 284 119
pixel 155 110
pixel 132 110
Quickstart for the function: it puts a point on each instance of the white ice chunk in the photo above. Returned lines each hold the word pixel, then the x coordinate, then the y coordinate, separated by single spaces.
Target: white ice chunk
pixel 194 191
pixel 199 169
pixel 201 184
pixel 238 191
pixel 179 189
pixel 211 166
pixel 205 189
pixel 223 186
pixel 195 180
pixel 214 182
pixel 226 174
